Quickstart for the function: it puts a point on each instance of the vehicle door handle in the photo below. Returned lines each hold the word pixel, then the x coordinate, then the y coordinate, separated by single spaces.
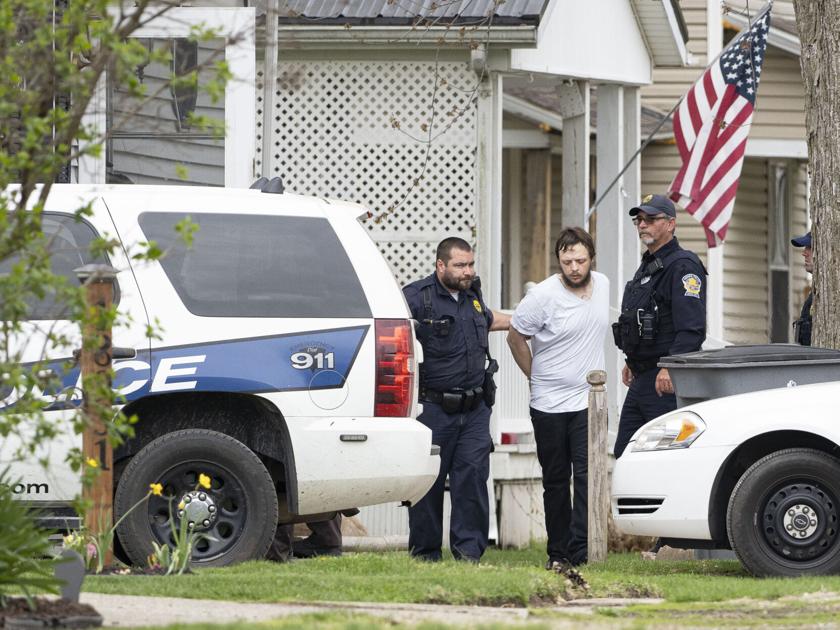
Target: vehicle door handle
pixel 123 353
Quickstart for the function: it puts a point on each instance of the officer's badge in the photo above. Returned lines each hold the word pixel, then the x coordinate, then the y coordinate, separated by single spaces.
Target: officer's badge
pixel 645 280
pixel 477 305
pixel 647 198
pixel 692 284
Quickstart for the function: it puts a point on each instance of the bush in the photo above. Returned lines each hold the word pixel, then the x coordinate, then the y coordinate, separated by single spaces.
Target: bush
pixel 26 560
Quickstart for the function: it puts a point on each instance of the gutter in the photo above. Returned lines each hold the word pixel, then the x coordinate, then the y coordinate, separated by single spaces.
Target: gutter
pixel 776 37
pixel 328 37
pixel 533 113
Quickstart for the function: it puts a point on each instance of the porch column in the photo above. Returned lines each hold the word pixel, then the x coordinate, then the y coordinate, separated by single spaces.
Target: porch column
pixel 632 179
pixel 489 188
pixel 538 210
pixel 609 228
pixel 714 255
pixel 269 96
pixel 574 107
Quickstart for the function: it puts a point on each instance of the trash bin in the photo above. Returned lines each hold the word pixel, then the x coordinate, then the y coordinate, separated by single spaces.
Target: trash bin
pixel 699 376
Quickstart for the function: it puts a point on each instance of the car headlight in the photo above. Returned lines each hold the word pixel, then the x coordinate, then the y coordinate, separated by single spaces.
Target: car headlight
pixel 676 430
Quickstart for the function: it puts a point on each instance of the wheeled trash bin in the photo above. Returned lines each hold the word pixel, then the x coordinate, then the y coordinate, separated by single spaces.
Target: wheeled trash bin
pixel 706 374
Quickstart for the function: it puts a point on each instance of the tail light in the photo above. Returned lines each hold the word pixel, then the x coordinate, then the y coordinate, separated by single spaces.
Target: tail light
pixel 394 368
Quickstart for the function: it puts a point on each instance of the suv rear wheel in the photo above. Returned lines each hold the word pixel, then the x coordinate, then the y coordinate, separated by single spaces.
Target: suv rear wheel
pixel 238 512
pixel 784 514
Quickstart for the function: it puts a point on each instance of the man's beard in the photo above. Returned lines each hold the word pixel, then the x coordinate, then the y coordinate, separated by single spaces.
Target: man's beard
pixel 453 284
pixel 647 239
pixel 576 285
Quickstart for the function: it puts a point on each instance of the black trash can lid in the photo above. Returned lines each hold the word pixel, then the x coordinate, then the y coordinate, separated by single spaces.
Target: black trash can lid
pixel 733 356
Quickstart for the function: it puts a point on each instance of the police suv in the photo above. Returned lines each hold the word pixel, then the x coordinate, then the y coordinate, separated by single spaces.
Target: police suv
pixel 283 366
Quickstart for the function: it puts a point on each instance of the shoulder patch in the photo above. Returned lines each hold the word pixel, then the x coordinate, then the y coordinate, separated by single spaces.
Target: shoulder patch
pixel 691 284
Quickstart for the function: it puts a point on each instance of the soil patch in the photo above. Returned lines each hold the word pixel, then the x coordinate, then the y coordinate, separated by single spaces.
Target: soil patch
pixel 49 613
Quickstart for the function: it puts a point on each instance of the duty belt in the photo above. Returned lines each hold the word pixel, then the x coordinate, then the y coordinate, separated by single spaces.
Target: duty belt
pixel 455 400
pixel 638 367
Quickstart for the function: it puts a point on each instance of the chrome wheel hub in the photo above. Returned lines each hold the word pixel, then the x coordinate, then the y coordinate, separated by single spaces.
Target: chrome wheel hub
pixel 199 509
pixel 800 521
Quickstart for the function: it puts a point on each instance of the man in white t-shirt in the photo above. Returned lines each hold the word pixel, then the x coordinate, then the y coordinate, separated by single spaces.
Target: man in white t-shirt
pixel 566 317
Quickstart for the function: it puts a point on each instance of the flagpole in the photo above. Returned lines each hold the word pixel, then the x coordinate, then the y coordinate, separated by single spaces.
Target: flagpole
pixel 649 139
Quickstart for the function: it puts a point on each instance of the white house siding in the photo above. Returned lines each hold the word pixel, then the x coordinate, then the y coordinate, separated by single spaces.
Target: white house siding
pixel 157 149
pixel 745 283
pixel 780 106
pixel 669 84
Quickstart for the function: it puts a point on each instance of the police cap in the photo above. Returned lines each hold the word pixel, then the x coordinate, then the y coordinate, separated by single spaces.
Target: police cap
pixel 655 204
pixel 802 241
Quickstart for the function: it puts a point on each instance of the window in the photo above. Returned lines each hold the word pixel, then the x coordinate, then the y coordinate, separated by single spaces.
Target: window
pixel 258 266
pixel 778 254
pixel 68 242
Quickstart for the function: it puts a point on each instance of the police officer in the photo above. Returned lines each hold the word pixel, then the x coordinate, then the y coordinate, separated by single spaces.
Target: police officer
pixel 663 312
pixel 802 326
pixel 453 330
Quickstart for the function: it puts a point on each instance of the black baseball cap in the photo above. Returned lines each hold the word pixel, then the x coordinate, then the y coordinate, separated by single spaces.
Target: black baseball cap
pixel 801 241
pixel 655 204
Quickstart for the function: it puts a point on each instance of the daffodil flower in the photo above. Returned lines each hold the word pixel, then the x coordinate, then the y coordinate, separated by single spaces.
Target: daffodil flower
pixel 156 488
pixel 204 481
pixel 92 462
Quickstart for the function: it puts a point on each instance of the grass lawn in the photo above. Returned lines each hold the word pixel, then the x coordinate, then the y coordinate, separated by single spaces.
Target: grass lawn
pixel 510 577
pixel 506 578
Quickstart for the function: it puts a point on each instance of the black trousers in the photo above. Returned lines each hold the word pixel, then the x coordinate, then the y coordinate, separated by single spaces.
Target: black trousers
pixel 641 406
pixel 326 535
pixel 464 440
pixel 562 451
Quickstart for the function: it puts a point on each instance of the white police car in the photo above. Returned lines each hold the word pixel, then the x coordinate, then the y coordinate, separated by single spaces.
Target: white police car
pixel 758 472
pixel 284 365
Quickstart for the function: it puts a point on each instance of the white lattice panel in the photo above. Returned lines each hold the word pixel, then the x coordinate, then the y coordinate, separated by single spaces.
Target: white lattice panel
pixel 355 130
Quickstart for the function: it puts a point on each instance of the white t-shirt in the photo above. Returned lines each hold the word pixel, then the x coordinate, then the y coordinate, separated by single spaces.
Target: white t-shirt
pixel 567 341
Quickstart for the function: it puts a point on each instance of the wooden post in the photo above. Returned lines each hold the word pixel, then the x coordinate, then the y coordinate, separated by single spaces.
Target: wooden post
pixel 95 361
pixel 599 492
pixel 538 206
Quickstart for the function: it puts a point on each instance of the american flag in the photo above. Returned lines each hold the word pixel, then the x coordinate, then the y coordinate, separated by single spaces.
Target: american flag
pixel 711 127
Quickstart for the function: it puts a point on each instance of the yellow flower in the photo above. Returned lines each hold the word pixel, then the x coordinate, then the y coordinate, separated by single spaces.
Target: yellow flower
pixel 204 481
pixel 92 462
pixel 156 488
pixel 181 505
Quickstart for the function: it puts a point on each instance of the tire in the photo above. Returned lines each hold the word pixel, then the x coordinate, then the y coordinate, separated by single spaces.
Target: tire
pixel 783 517
pixel 239 510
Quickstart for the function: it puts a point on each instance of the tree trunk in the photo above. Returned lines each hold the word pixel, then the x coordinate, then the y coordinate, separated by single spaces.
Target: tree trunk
pixel 817 22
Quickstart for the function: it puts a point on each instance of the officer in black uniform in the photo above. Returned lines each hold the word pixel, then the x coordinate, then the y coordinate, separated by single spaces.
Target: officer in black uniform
pixel 663 312
pixel 802 326
pixel 453 330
